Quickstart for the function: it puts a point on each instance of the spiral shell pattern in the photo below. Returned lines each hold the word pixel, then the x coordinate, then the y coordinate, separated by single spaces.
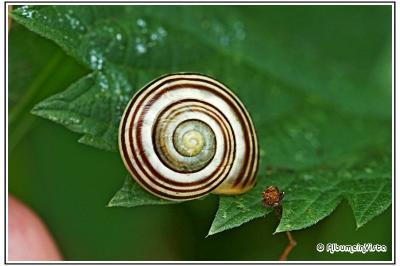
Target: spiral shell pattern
pixel 185 135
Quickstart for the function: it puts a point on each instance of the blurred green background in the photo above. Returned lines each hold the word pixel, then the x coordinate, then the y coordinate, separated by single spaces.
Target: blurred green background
pixel 69 184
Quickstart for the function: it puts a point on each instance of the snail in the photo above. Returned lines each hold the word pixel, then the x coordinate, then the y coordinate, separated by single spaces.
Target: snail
pixel 185 135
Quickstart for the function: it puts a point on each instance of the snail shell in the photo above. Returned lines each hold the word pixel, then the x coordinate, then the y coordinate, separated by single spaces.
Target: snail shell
pixel 185 135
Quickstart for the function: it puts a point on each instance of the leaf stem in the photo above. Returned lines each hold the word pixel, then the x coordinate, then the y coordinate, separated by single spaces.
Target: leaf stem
pixel 289 247
pixel 272 197
pixel 19 132
pixel 292 243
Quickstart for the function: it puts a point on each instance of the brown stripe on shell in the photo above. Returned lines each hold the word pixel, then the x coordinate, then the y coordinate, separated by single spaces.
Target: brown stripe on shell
pixel 193 107
pixel 160 177
pixel 247 173
pixel 163 178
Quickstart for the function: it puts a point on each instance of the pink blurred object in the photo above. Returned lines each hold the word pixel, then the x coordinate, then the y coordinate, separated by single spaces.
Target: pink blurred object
pixel 28 237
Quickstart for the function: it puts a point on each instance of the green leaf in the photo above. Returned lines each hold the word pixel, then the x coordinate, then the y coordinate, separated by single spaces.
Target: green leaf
pixel 312 195
pixel 367 188
pixel 237 210
pixel 131 195
pixel 316 80
pixel 91 107
pixel 370 190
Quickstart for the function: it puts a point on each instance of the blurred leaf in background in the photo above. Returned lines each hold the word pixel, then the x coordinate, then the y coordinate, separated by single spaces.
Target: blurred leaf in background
pixel 316 80
pixel 37 68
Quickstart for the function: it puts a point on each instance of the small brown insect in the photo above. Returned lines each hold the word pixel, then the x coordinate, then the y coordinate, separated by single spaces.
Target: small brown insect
pixel 272 197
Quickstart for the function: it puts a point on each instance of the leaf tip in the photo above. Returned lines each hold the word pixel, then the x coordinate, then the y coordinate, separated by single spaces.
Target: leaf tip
pixel 41 111
pixel 360 224
pixel 35 110
pixel 285 228
pixel 213 231
pixel 111 203
pixel 278 230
